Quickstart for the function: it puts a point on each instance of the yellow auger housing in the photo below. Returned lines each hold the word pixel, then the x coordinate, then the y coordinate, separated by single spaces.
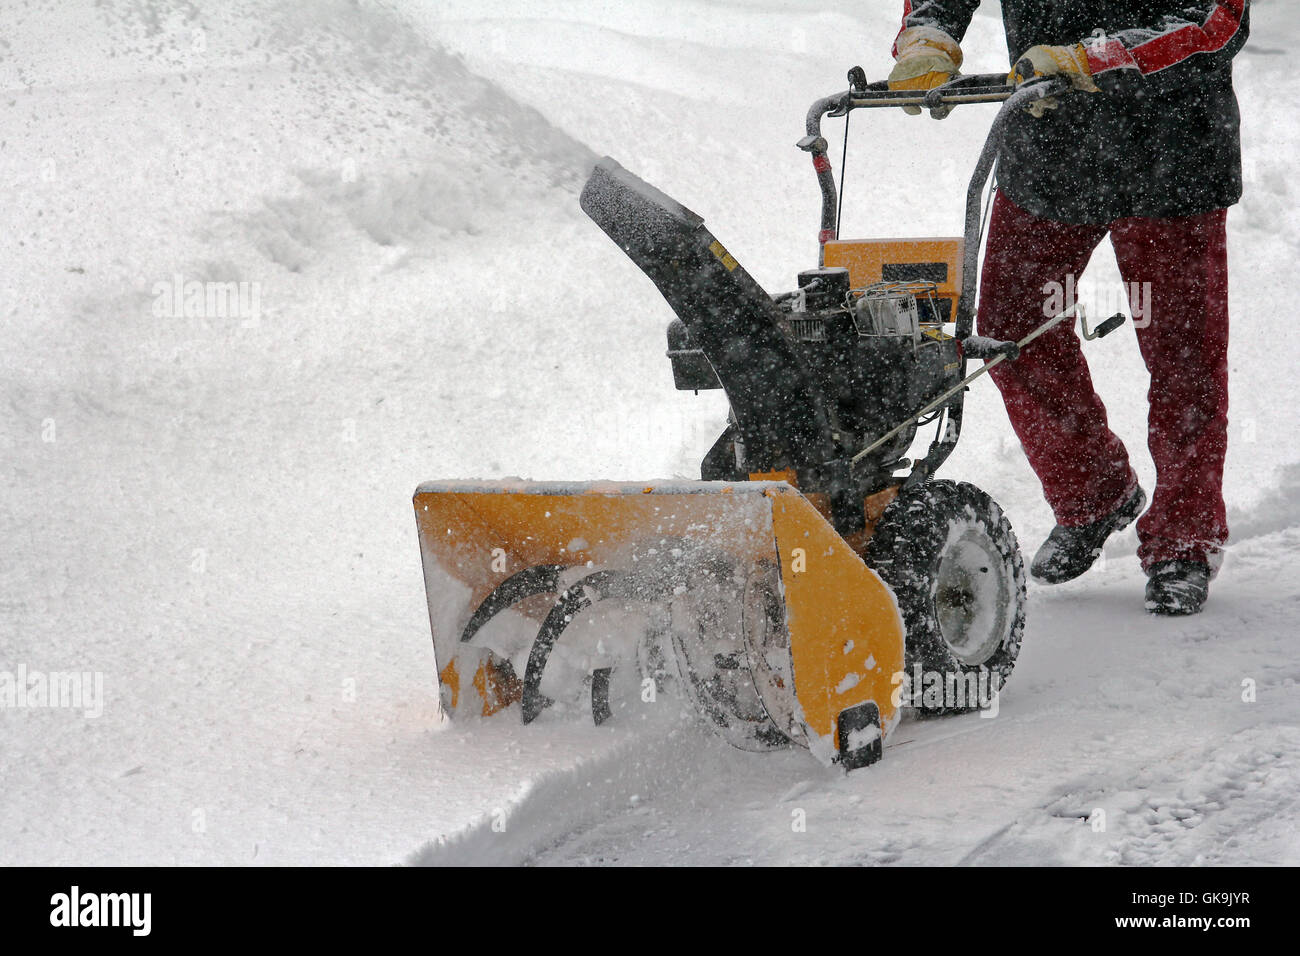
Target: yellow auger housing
pixel 766 618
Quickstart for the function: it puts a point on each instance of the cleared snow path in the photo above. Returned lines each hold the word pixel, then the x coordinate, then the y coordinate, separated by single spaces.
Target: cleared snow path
pixel 1108 711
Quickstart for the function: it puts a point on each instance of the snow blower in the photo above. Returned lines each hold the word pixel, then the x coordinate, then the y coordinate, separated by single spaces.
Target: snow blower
pixel 816 580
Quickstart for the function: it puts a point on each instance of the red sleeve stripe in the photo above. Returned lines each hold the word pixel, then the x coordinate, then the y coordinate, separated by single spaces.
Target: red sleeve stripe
pixel 1108 54
pixel 1167 49
pixel 907 12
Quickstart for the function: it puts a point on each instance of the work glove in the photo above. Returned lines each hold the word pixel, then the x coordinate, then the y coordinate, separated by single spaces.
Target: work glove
pixel 1069 62
pixel 926 58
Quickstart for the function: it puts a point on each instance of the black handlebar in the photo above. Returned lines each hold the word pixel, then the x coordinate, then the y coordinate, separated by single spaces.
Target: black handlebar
pixel 975 88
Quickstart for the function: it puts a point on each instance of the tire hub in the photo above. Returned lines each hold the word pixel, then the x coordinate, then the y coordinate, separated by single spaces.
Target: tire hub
pixel 972 595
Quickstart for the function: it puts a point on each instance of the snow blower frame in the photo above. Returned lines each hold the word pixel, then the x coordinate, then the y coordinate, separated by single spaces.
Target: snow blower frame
pixel 815 581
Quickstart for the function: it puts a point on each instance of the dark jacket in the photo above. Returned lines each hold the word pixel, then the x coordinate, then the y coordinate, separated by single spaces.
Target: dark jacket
pixel 1161 139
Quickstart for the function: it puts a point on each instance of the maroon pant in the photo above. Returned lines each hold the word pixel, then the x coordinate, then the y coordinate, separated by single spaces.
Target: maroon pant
pixel 1049 395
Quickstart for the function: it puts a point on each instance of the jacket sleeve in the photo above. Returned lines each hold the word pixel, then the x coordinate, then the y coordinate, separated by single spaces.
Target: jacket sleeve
pixel 1200 36
pixel 950 16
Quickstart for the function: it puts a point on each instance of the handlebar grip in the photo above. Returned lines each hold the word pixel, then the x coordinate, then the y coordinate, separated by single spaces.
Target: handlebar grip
pixel 983 347
pixel 1110 325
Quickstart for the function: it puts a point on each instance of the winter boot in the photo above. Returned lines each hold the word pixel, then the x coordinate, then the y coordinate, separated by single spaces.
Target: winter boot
pixel 1068 552
pixel 1177 587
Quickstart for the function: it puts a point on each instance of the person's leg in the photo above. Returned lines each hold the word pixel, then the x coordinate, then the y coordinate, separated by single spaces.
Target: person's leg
pixel 1184 342
pixel 1048 391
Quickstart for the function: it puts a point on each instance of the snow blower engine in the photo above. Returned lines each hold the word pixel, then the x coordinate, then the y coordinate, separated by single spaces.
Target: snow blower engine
pixel 816 580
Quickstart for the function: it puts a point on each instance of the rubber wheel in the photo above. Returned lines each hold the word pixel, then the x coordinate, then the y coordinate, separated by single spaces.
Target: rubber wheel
pixel 949 555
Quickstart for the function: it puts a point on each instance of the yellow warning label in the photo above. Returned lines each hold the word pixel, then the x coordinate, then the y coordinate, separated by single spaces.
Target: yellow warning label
pixel 723 256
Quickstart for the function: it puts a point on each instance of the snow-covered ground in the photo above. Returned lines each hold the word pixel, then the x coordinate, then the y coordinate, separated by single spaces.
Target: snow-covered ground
pixel 212 510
